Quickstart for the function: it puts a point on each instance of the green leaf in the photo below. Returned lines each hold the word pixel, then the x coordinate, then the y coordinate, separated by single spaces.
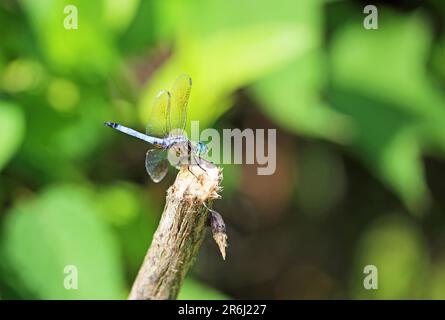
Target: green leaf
pixel 291 95
pixel 396 248
pixel 387 65
pixel 119 203
pixel 223 63
pixel 62 228
pixel 119 14
pixel 387 143
pixel 436 287
pixel 134 216
pixel 88 50
pixel 12 131
pixel 380 80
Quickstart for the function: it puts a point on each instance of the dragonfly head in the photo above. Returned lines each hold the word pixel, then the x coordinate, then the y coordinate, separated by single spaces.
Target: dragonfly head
pixel 201 148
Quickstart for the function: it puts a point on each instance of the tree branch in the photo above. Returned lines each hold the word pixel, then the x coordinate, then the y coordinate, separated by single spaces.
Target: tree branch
pixel 180 233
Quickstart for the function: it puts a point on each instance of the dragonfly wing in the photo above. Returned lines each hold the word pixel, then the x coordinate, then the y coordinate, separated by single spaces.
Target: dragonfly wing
pixel 180 97
pixel 156 164
pixel 159 120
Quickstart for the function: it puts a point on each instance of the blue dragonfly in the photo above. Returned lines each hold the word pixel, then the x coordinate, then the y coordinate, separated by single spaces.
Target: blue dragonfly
pixel 165 131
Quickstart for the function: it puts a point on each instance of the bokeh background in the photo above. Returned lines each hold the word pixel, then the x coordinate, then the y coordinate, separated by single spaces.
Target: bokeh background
pixel 360 116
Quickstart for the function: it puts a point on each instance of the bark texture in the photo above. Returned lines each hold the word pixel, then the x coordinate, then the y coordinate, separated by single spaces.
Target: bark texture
pixel 180 233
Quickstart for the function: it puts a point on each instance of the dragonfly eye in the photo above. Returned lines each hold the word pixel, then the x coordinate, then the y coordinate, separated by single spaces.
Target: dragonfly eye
pixel 202 148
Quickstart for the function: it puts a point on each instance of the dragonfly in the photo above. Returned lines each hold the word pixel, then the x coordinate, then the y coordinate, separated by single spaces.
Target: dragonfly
pixel 165 131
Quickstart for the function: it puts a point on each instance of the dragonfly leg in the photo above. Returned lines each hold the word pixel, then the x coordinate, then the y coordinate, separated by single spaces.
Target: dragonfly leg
pixel 199 165
pixel 188 168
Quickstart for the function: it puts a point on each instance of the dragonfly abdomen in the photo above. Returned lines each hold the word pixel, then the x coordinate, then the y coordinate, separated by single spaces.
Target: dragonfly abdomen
pixel 136 134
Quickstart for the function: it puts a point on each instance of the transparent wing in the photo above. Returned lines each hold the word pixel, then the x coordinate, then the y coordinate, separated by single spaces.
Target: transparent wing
pixel 156 164
pixel 159 120
pixel 180 97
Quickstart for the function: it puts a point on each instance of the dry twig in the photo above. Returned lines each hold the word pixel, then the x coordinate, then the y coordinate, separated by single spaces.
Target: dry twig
pixel 180 233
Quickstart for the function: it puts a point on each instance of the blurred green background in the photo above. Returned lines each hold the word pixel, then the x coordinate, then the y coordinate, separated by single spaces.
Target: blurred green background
pixel 360 116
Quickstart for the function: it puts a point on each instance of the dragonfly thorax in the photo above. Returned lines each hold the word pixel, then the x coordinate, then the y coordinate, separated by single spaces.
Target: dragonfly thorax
pixel 175 140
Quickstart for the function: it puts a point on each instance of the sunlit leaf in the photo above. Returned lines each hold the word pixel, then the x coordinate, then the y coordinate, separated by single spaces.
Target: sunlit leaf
pixel 88 50
pixel 224 63
pixel 386 141
pixel 436 288
pixel 396 248
pixel 292 95
pixel 380 80
pixel 62 228
pixel 119 14
pixel 12 131
pixel 387 65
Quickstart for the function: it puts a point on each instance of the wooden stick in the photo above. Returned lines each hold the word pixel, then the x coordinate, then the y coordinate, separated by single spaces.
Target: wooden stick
pixel 180 233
